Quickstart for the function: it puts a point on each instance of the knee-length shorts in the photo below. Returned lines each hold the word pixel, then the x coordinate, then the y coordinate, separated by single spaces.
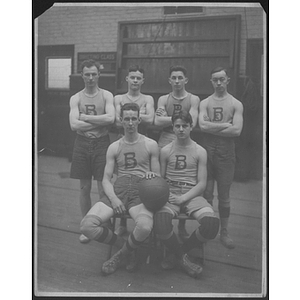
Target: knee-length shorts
pixel 126 189
pixel 190 206
pixel 89 157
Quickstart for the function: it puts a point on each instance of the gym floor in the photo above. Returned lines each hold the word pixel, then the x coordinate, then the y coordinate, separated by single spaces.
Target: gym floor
pixel 63 266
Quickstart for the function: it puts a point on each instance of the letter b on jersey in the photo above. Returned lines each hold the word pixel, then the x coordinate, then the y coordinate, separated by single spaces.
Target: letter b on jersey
pixel 90 109
pixel 130 161
pixel 180 162
pixel 177 108
pixel 218 114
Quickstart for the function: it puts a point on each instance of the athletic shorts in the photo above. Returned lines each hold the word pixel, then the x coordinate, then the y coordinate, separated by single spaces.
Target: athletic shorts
pixel 126 189
pixel 220 165
pixel 189 206
pixel 220 158
pixel 89 157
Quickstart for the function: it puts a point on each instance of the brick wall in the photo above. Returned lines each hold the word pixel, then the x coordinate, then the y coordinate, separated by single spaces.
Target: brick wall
pixel 252 19
pixel 89 28
pixel 95 28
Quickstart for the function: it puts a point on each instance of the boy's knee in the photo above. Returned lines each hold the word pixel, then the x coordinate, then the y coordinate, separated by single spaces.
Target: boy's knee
pixel 224 195
pixel 89 226
pixel 143 227
pixel 209 227
pixel 145 223
pixel 146 228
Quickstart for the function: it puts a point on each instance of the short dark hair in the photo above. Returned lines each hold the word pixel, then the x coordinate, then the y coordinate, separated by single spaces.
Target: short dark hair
pixel 135 68
pixel 178 68
pixel 90 63
pixel 129 106
pixel 184 116
pixel 219 69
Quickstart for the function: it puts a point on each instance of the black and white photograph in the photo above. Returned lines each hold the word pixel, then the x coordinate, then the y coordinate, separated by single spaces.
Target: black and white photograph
pixel 150 150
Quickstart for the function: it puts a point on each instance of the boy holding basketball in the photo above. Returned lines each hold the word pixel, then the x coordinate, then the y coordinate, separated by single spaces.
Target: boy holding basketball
pixel 135 157
pixel 183 164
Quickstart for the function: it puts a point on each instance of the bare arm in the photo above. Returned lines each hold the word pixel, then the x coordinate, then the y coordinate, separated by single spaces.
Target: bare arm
pixel 205 124
pixel 75 122
pixel 163 162
pixel 161 119
pixel 105 119
pixel 108 174
pixel 199 188
pixel 118 110
pixel 194 110
pixel 237 123
pixel 108 171
pixel 148 116
pixel 154 159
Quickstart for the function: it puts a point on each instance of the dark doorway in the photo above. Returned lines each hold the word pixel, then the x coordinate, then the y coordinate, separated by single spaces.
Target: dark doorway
pixel 55 65
pixel 250 143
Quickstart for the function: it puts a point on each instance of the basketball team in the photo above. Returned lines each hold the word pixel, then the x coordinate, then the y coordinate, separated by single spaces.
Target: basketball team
pixel 190 169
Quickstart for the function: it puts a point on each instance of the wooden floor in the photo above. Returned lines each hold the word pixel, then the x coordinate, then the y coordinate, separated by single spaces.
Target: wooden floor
pixel 64 266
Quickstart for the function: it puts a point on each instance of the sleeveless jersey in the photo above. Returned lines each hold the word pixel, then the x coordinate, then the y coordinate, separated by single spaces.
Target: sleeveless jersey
pixel 92 106
pixel 141 102
pixel 220 111
pixel 174 105
pixel 182 163
pixel 133 159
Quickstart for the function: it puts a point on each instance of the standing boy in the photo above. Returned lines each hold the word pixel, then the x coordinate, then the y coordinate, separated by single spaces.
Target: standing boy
pixel 135 80
pixel 221 120
pixel 91 111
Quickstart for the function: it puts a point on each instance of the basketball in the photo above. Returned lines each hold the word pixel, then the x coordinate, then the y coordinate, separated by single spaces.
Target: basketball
pixel 154 193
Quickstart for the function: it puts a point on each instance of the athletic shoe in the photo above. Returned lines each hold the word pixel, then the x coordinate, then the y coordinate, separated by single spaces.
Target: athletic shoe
pixel 121 230
pixel 226 240
pixel 83 239
pixel 169 262
pixel 190 268
pixel 132 263
pixel 110 266
pixel 182 233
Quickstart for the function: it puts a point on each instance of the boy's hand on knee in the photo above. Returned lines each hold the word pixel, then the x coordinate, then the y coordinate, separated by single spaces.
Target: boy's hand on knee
pixel 118 206
pixel 175 199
